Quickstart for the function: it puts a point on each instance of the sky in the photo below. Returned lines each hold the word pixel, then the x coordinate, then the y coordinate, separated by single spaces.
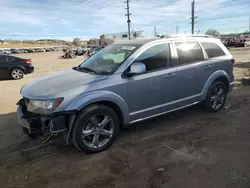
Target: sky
pixel 67 19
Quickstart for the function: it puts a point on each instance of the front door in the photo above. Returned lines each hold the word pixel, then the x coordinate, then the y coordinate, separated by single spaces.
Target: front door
pixel 147 93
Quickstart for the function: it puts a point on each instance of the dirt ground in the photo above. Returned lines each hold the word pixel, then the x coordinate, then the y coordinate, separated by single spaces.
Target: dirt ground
pixel 185 149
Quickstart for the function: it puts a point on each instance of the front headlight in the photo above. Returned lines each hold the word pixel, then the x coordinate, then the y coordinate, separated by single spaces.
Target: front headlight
pixel 45 106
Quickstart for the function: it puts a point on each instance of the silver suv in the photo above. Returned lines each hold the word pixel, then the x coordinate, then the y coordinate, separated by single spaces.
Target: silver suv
pixel 124 83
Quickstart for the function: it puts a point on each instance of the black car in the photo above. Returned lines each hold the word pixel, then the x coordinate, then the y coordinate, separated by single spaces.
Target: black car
pixel 14 67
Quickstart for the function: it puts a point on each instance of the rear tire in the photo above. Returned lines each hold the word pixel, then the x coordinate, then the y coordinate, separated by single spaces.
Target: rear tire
pixel 216 97
pixel 16 73
pixel 95 129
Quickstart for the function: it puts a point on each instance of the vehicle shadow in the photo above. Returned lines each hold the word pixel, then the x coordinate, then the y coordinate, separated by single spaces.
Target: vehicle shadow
pixel 6 78
pixel 162 123
pixel 245 65
pixel 18 146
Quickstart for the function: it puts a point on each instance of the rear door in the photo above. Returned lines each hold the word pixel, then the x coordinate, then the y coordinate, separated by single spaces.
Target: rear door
pixel 4 66
pixel 193 70
pixel 221 59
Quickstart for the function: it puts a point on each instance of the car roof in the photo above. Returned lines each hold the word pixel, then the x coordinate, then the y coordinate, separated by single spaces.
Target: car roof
pixel 143 41
pixel 140 41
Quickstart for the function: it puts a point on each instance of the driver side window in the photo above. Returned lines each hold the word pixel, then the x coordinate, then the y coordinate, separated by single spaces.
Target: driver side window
pixel 155 57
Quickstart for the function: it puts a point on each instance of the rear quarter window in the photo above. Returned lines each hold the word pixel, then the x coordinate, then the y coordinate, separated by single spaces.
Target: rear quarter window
pixel 12 58
pixel 212 49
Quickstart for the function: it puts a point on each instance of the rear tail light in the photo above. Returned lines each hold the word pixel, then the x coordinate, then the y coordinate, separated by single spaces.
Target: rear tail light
pixel 27 61
pixel 233 61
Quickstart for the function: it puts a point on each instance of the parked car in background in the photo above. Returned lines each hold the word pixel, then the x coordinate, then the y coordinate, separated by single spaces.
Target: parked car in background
pixel 125 83
pixel 21 51
pixel 31 50
pixel 14 67
pixel 14 51
pixel 39 50
pixel 25 50
pixel 247 43
pixel 4 51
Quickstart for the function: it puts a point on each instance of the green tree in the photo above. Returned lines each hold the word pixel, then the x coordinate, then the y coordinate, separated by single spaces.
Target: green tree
pixel 213 32
pixel 77 41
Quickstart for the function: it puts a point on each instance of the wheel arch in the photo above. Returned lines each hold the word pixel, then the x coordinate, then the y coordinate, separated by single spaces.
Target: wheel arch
pixel 111 105
pixel 216 76
pixel 16 67
pixel 107 98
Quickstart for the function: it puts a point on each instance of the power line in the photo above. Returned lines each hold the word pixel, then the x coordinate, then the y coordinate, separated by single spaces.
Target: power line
pixel 128 16
pixel 230 23
pixel 224 17
pixel 228 5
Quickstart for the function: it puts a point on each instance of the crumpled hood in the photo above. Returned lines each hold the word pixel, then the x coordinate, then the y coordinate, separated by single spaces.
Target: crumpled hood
pixel 61 81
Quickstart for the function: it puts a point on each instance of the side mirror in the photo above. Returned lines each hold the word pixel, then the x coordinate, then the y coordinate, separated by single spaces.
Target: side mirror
pixel 137 68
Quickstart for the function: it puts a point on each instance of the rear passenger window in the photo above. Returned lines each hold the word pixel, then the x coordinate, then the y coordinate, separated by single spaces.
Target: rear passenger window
pixel 189 52
pixel 212 49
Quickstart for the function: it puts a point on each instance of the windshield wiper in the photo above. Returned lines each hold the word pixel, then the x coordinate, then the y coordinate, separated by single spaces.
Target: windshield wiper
pixel 88 69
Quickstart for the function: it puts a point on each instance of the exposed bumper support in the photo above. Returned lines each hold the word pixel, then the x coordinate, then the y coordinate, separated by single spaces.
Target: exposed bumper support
pixel 36 124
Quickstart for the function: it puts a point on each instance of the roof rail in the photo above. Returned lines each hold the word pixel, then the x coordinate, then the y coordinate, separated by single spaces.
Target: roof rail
pixel 174 36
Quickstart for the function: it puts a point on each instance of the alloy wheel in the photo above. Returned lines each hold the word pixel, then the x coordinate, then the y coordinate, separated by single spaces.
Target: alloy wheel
pixel 98 130
pixel 217 98
pixel 17 74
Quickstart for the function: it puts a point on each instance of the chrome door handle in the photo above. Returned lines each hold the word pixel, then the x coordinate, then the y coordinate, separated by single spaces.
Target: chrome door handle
pixel 207 66
pixel 169 75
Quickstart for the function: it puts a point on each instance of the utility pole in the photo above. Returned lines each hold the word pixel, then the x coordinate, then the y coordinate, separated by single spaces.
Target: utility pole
pixel 249 23
pixel 177 30
pixel 155 33
pixel 128 16
pixel 192 15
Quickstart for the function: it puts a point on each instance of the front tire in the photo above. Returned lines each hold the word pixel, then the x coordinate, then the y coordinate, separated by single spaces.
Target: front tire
pixel 17 73
pixel 216 97
pixel 95 129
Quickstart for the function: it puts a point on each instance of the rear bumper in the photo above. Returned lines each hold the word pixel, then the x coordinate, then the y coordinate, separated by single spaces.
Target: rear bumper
pixel 28 69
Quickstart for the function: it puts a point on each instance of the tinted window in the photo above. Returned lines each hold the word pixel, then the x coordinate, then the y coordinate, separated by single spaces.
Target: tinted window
pixel 2 59
pixel 212 49
pixel 107 60
pixel 189 52
pixel 156 57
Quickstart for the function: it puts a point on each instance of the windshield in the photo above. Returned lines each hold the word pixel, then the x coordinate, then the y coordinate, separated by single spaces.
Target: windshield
pixel 107 60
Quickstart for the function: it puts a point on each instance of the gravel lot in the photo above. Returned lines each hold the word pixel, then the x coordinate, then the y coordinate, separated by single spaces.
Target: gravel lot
pixel 185 149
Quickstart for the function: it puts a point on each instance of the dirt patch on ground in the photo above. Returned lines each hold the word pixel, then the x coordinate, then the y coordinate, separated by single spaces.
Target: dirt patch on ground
pixel 185 149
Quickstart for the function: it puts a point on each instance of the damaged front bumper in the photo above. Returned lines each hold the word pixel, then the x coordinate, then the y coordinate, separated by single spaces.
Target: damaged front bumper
pixel 37 124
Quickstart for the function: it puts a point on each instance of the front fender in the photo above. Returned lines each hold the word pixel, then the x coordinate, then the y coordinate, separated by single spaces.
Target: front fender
pixel 99 96
pixel 211 79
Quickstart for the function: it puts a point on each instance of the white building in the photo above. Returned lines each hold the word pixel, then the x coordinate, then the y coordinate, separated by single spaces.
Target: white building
pixel 123 35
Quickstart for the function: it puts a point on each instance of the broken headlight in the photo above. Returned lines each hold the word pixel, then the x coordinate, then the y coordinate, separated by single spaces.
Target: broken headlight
pixel 44 106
